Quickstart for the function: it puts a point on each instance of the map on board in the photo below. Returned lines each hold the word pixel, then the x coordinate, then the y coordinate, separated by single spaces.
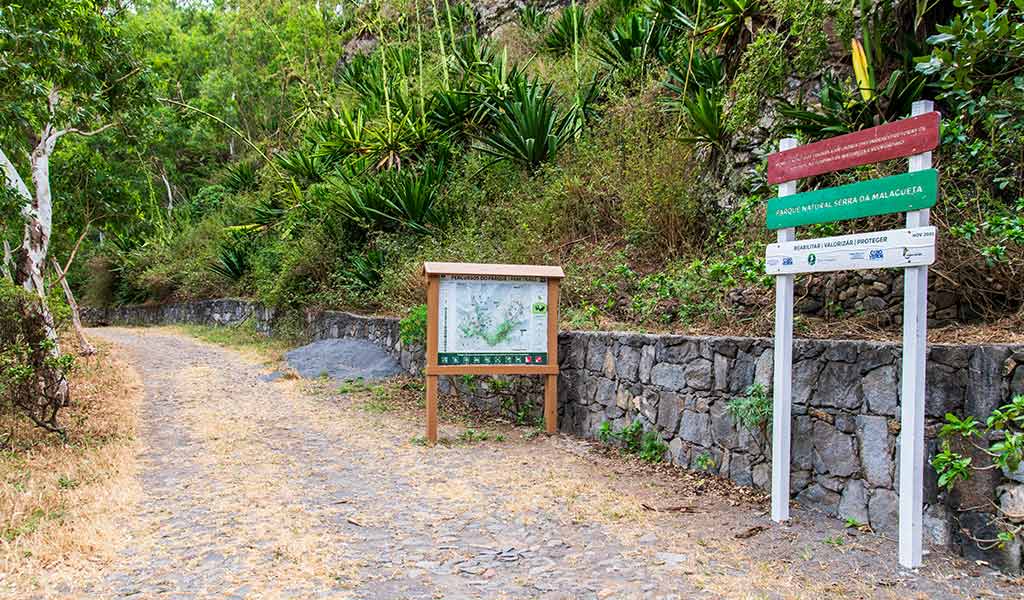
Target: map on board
pixel 489 321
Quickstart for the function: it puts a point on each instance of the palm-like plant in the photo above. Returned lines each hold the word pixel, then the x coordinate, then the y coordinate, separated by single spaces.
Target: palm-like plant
pixel 407 198
pixel 636 38
pixel 528 129
pixel 704 123
pixel 302 166
pixel 337 139
pixel 241 177
pixel 232 261
pixel 364 271
pixel 569 29
pixel 731 18
pixel 701 73
pixel 532 18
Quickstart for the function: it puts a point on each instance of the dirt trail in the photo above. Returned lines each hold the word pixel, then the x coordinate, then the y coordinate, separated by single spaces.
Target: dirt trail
pixel 289 490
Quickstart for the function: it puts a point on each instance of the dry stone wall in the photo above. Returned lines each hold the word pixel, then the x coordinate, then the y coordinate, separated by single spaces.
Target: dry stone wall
pixel 845 445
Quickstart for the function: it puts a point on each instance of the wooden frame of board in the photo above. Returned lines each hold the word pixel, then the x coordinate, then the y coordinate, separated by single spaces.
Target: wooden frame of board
pixel 434 271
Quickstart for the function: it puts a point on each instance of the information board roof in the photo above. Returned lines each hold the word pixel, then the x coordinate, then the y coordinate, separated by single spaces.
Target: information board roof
pixel 449 268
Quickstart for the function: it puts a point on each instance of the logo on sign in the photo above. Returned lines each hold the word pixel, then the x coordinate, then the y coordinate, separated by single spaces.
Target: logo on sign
pixel 787 261
pixel 876 255
pixel 811 259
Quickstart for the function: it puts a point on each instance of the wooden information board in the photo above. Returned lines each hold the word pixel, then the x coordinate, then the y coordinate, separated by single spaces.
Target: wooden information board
pixel 485 319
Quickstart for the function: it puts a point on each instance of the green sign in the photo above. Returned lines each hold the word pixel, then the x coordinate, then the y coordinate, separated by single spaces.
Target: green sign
pixel 899 193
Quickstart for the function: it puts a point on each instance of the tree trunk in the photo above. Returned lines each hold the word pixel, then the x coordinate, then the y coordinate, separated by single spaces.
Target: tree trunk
pixel 38 214
pixel 7 266
pixel 84 347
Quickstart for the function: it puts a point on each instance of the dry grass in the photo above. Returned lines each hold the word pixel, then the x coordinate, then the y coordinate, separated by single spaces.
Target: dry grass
pixel 60 499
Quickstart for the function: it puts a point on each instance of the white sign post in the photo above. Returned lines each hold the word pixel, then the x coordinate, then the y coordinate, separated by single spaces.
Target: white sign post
pixel 912 249
pixel 915 354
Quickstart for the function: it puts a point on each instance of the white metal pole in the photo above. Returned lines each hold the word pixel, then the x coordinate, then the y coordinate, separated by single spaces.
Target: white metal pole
pixel 915 354
pixel 782 395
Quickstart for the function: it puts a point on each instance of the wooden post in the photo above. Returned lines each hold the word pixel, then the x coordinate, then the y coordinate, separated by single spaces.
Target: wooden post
pixel 782 394
pixel 433 301
pixel 431 409
pixel 915 354
pixel 551 381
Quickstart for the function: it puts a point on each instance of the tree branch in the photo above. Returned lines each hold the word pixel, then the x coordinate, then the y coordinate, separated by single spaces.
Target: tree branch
pixel 63 273
pixel 233 129
pixel 87 133
pixel 14 180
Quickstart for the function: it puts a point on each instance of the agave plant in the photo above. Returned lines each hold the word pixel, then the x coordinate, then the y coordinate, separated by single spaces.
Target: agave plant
pixel 407 198
pixel 302 166
pixel 532 18
pixel 731 19
pixel 704 123
pixel 241 177
pixel 364 271
pixel 568 30
pixel 636 38
pixel 453 112
pixel 528 129
pixel 393 144
pixel 702 72
pixel 337 139
pixel 232 261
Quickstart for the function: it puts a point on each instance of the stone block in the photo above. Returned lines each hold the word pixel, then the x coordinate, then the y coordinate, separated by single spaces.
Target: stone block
pixel 816 496
pixel 876 450
pixel 946 390
pixel 805 380
pixel 646 363
pixel 883 512
pixel 698 375
pixel 1010 497
pixel 881 389
pixel 669 408
pixel 979 524
pixel 838 386
pixel 679 352
pixel 854 502
pixel 761 473
pixel 722 428
pixel 595 355
pixel 739 469
pixel 721 363
pixel 834 451
pixel 764 369
pixel 627 362
pixel 608 366
pixel 669 376
pixel 936 526
pixel 695 428
pixel 802 447
pixel 605 391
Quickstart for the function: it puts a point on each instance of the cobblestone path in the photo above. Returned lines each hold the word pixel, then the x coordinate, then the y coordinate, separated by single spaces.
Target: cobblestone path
pixel 288 489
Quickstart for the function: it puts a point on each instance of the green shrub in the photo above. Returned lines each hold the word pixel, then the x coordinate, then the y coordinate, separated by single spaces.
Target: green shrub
pixel 33 375
pixel 412 329
pixel 752 411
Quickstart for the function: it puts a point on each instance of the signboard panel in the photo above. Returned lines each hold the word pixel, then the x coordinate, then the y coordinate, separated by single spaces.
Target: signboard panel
pixel 876 250
pixel 892 140
pixel 487 320
pixel 899 193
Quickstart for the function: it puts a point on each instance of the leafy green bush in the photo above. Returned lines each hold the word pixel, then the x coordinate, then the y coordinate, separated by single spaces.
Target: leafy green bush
pixel 1000 441
pixel 33 374
pixel 648 445
pixel 412 329
pixel 753 410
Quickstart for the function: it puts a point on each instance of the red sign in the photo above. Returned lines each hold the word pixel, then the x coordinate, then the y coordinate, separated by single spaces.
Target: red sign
pixel 885 142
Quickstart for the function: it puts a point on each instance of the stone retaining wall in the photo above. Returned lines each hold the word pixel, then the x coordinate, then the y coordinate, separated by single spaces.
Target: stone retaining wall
pixel 846 407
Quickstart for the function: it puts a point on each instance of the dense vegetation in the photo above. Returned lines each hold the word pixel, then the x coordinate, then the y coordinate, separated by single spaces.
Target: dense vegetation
pixel 315 153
